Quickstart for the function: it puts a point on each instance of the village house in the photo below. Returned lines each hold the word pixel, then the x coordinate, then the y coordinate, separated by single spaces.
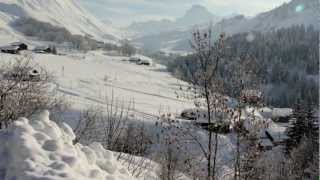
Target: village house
pixel 14 48
pixel 44 49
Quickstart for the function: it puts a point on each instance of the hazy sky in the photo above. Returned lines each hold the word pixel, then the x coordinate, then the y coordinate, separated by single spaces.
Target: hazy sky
pixel 124 12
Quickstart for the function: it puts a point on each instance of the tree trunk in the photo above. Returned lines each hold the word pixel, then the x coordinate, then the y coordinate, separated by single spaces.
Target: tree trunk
pixel 215 156
pixel 210 133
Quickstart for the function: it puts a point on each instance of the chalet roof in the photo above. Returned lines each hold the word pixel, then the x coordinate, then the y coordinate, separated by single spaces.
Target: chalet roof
pixel 9 47
pixel 40 48
pixel 252 92
pixel 17 44
pixel 265 142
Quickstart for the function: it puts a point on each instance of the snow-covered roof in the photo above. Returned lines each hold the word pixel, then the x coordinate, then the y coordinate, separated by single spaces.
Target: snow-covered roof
pixel 9 47
pixel 252 92
pixel 142 57
pixel 281 112
pixel 17 43
pixel 265 142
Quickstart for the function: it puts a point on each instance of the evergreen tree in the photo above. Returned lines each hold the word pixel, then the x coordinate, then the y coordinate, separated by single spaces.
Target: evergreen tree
pixel 304 124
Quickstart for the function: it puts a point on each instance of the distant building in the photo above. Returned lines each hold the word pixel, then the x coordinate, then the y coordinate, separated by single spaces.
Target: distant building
pixel 251 96
pixel 21 46
pixel 14 48
pixel 282 115
pixel 28 75
pixel 9 49
pixel 200 118
pixel 43 49
pixel 134 59
pixel 140 60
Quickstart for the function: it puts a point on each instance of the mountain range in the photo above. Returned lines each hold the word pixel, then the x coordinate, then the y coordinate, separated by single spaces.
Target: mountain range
pixel 196 15
pixel 166 35
pixel 296 12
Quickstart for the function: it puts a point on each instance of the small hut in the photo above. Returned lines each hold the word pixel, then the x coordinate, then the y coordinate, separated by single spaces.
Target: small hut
pixel 21 46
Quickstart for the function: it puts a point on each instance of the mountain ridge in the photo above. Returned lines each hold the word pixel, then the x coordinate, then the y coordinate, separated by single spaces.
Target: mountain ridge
pixel 196 15
pixel 64 13
pixel 296 12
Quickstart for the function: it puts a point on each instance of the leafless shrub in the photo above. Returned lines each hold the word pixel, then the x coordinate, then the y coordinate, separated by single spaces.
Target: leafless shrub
pixel 178 149
pixel 136 165
pixel 109 126
pixel 105 125
pixel 24 89
pixel 135 140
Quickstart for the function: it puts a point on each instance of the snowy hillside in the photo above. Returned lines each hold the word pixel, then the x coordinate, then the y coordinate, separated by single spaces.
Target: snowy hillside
pixel 296 12
pixel 64 13
pixel 39 149
pixel 89 79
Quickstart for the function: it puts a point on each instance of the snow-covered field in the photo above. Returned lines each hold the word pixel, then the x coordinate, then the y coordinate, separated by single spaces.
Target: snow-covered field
pixel 90 79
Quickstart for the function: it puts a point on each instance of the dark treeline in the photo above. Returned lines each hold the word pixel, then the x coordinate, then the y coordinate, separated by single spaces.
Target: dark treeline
pixel 287 60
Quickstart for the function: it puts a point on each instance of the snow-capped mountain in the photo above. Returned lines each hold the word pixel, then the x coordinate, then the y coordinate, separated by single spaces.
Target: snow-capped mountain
pixel 137 29
pixel 196 15
pixel 297 12
pixel 64 13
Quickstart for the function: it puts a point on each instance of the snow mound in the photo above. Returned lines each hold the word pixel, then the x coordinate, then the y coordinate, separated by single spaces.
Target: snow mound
pixel 39 149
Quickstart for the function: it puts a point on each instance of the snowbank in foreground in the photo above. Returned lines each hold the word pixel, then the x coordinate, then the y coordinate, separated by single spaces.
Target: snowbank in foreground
pixel 39 149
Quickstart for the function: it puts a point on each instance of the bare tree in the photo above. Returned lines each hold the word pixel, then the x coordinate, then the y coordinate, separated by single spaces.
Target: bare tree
pixel 206 84
pixel 246 89
pixel 105 124
pixel 176 155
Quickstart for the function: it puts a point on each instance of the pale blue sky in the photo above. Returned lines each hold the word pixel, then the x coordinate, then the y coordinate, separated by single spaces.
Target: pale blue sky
pixel 124 12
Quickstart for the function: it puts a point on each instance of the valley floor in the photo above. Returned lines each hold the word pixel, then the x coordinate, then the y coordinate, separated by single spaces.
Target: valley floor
pixel 91 79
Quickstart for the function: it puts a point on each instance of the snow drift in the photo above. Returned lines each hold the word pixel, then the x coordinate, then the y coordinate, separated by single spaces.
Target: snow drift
pixel 39 149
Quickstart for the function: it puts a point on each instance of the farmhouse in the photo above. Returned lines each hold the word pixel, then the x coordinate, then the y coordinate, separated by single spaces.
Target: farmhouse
pixel 9 49
pixel 270 139
pixel 251 96
pixel 43 49
pixel 146 62
pixel 200 117
pixel 21 46
pixel 141 60
pixel 32 75
pixel 134 59
pixel 282 115
pixel 14 48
